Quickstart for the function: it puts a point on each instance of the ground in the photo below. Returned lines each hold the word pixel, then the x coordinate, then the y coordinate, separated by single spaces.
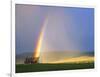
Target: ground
pixel 21 68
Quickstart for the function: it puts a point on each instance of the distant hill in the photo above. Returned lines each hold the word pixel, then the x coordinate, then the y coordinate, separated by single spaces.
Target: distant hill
pixel 52 55
pixel 91 53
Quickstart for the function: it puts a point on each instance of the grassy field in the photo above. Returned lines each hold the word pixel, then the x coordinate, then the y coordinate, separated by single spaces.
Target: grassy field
pixel 21 68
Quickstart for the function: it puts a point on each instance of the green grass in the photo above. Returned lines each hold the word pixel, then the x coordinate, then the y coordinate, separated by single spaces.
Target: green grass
pixel 21 68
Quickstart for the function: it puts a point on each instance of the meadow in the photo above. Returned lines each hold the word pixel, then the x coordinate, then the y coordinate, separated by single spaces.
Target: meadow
pixel 21 68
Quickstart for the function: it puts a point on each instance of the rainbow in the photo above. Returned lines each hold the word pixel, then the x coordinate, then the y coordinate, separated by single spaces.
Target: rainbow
pixel 36 54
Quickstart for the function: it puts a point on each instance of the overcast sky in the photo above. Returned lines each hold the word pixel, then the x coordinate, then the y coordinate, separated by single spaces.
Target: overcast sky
pixel 67 28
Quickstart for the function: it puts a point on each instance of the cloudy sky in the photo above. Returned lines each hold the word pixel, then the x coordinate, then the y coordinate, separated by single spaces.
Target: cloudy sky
pixel 66 28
